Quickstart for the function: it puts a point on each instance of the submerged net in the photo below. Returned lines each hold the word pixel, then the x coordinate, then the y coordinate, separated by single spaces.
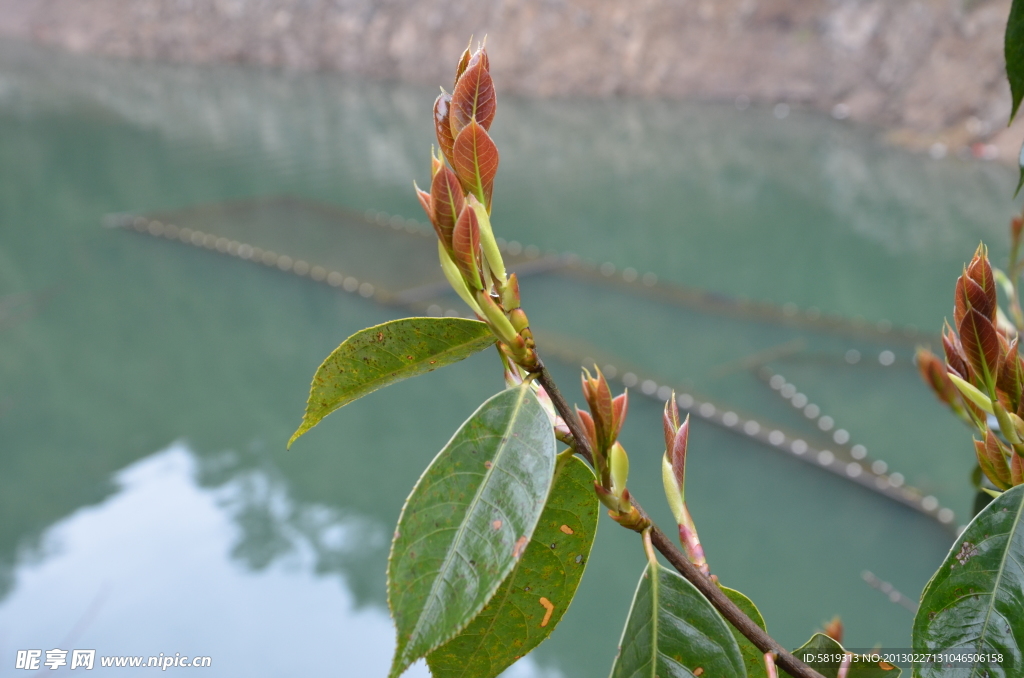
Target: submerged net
pixel 393 261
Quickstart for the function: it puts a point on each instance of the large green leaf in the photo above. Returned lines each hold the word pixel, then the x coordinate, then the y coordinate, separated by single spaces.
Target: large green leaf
pixel 753 658
pixel 1013 50
pixel 532 600
pixel 381 355
pixel 673 630
pixel 975 602
pixel 468 521
pixel 824 655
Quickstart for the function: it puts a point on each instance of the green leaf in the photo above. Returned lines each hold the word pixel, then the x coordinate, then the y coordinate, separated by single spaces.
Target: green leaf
pixel 821 646
pixel 975 601
pixel 379 356
pixel 753 658
pixel 532 600
pixel 673 630
pixel 468 521
pixel 1013 50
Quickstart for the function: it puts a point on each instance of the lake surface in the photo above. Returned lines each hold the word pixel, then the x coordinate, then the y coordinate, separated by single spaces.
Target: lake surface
pixel 147 388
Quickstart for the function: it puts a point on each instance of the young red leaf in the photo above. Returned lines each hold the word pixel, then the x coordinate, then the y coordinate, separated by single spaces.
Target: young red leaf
pixel 678 455
pixel 1011 377
pixel 933 372
pixel 670 422
pixel 463 63
pixel 473 98
pixel 599 398
pixel 955 358
pixel 1016 469
pixel 424 199
pixel 620 404
pixel 981 344
pixel 447 202
pixel 442 126
pixel 466 250
pixel 992 459
pixel 980 272
pixel 475 159
pixel 588 425
pixel 960 301
pixel 978 298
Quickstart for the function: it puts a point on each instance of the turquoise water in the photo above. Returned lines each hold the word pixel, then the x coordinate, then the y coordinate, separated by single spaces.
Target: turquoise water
pixel 147 388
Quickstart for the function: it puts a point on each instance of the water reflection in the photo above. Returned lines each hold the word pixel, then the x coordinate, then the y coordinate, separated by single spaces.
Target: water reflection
pixel 238 572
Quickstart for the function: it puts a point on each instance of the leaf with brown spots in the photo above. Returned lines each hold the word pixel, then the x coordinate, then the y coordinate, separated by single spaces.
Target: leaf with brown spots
pixel 975 601
pixel 672 630
pixel 379 356
pixel 517 620
pixel 449 519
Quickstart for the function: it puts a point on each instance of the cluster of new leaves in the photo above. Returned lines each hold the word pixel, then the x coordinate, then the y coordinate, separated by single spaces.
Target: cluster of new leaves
pixel 983 375
pixel 459 207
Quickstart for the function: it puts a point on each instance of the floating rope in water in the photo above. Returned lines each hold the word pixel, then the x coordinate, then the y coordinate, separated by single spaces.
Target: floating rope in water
pixel 873 476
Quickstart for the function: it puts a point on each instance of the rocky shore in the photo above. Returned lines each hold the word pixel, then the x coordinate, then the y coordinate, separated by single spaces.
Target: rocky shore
pixel 928 71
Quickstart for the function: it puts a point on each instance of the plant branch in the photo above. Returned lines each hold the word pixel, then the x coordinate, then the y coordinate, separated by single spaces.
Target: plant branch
pixel 679 561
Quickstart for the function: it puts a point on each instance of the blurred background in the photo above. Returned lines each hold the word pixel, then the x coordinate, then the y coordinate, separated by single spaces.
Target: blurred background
pixel 761 205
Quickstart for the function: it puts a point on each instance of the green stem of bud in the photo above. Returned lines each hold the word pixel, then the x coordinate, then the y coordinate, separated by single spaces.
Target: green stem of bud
pixel 1006 426
pixel 619 462
pixel 973 394
pixel 495 317
pixel 454 277
pixel 490 246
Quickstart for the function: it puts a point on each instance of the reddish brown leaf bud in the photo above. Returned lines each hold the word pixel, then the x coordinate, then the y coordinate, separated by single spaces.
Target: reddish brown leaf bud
pixel 588 426
pixel 442 125
pixel 992 460
pixel 620 403
pixel 599 398
pixel 424 199
pixel 677 453
pixel 473 98
pixel 466 251
pixel 1011 376
pixel 980 343
pixel 834 629
pixel 1016 226
pixel 970 294
pixel 955 358
pixel 933 371
pixel 447 202
pixel 1016 469
pixel 980 272
pixel 670 422
pixel 463 62
pixel 475 159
